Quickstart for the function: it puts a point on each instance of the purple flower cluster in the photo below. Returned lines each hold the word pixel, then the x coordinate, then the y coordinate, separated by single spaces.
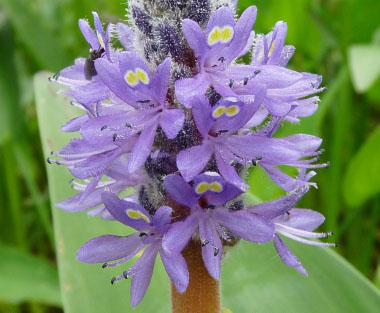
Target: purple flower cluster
pixel 177 116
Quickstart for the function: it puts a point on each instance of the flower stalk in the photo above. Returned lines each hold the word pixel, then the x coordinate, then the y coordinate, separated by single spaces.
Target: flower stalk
pixel 203 292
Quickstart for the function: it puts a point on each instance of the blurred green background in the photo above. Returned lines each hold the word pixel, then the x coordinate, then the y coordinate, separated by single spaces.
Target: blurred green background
pixel 339 39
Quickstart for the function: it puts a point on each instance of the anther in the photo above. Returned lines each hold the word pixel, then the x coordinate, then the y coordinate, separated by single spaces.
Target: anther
pixel 104 265
pixel 245 81
pixel 125 274
pixel 327 164
pixel 204 242
pixel 56 75
pixel 215 65
pixel 231 83
pixel 227 238
pixel 257 72
pixel 152 234
pixel 48 160
pixel 222 131
pixel 221 59
pixel 143 101
pixel 216 251
pixel 237 206
pixel 103 127
pixel 255 160
pixel 210 206
pixel 128 125
pixel 114 136
pixel 335 244
pixel 142 234
pixel 113 280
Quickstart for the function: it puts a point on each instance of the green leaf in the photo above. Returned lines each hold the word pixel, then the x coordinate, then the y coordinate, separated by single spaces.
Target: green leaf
pixel 9 91
pixel 364 62
pixel 24 277
pixel 42 44
pixel 362 179
pixel 254 278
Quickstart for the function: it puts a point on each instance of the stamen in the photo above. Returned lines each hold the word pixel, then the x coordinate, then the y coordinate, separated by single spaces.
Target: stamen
pixel 303 233
pixel 221 132
pixel 204 242
pixel 221 59
pixel 143 101
pixel 231 83
pixel 105 265
pixel 142 234
pixel 257 72
pixel 216 251
pixel 114 136
pixel 50 161
pixel 103 127
pixel 309 242
pixel 210 206
pixel 245 81
pixel 255 160
pixel 128 125
pixel 56 75
pixel 125 274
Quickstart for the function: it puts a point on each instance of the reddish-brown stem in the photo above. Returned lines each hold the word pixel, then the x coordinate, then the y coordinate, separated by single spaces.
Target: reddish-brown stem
pixel 203 293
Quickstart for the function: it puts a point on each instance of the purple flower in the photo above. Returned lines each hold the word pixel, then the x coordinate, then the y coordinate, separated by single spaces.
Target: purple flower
pixel 218 126
pixel 85 87
pixel 289 99
pixel 120 249
pixel 207 200
pixel 296 224
pixel 89 196
pixel 215 49
pixel 99 38
pixel 133 83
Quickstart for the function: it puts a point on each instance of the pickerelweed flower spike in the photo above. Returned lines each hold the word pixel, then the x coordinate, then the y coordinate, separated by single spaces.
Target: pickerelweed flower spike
pixel 174 115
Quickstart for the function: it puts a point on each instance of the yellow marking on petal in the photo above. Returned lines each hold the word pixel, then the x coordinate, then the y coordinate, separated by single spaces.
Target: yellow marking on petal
pixel 142 75
pixel 219 111
pixel 139 254
pixel 131 78
pixel 226 34
pixel 100 38
pixel 216 186
pixel 232 110
pixel 214 36
pixel 201 188
pixel 271 48
pixel 136 215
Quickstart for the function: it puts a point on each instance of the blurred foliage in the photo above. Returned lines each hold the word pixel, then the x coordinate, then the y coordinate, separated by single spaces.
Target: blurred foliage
pixel 338 39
